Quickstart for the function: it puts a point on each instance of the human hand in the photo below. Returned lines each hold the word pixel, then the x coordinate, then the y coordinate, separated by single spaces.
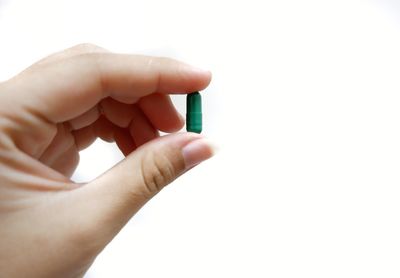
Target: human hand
pixel 49 225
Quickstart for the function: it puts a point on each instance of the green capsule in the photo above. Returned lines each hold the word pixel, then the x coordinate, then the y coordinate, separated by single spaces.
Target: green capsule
pixel 193 112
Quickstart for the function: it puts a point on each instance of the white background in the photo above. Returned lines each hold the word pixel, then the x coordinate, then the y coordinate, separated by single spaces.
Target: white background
pixel 305 107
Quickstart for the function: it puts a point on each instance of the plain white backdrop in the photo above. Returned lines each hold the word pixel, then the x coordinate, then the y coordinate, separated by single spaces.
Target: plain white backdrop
pixel 305 107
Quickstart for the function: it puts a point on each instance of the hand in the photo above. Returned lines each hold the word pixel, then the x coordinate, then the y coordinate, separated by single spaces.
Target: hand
pixel 49 225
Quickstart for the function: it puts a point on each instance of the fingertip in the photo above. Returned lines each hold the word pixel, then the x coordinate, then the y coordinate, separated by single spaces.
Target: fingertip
pixel 207 79
pixel 198 78
pixel 197 151
pixel 174 126
pixel 161 112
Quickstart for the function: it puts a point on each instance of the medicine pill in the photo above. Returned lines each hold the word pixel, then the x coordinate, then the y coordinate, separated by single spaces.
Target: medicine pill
pixel 193 113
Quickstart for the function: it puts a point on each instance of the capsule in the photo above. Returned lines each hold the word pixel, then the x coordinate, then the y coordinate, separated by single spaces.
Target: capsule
pixel 193 113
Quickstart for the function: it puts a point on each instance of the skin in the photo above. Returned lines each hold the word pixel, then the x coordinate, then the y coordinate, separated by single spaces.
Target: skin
pixel 49 225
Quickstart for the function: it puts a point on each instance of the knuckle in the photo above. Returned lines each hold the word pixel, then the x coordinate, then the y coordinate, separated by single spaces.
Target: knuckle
pixel 89 58
pixel 77 50
pixel 85 48
pixel 91 62
pixel 157 171
pixel 158 66
pixel 87 54
pixel 165 61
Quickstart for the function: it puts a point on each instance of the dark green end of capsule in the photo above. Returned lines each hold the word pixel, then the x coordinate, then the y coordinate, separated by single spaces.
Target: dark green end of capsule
pixel 194 121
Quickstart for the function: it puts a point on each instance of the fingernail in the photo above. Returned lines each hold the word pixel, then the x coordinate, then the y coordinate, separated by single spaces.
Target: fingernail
pixel 197 151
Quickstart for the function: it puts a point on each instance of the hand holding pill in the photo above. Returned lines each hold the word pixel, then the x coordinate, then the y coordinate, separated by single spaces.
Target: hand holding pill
pixel 52 226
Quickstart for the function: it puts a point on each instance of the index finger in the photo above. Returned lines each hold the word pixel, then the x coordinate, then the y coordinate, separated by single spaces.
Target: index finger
pixel 65 89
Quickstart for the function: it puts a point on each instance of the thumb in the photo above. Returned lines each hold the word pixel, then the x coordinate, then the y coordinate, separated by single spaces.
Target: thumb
pixel 108 202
